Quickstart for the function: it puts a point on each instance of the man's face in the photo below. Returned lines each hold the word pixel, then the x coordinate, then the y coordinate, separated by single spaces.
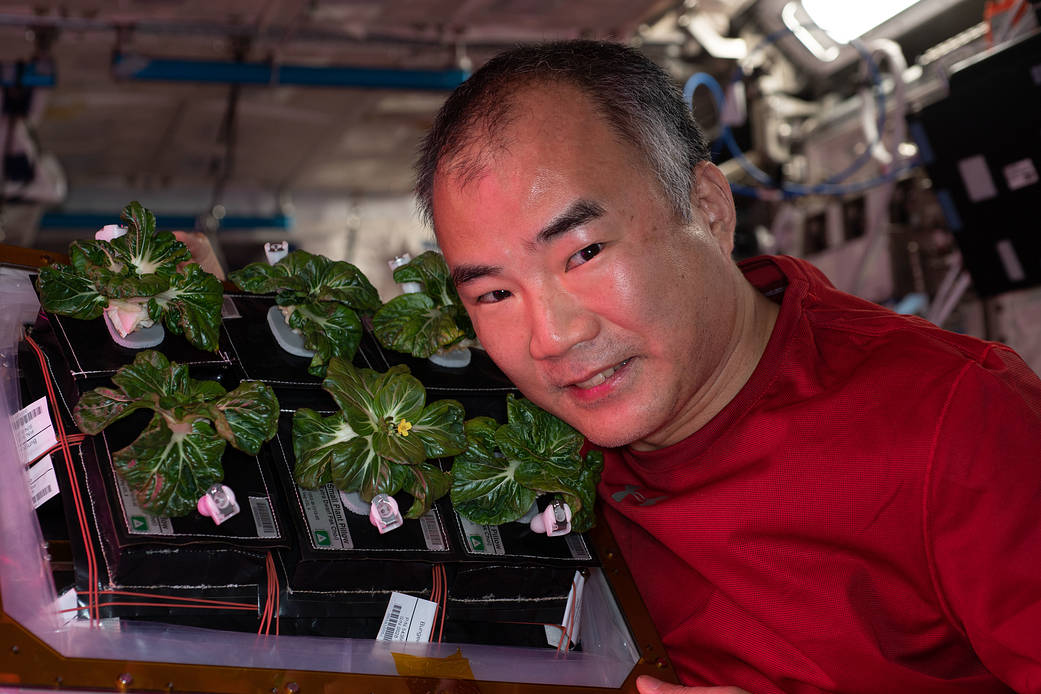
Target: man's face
pixel 583 286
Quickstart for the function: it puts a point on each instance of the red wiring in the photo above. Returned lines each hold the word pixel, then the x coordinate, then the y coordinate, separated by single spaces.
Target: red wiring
pixel 73 439
pixel 201 601
pixel 63 441
pixel 158 604
pixel 272 602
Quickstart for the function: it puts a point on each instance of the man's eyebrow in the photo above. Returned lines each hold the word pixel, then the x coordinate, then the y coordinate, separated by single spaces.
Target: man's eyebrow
pixel 468 273
pixel 580 212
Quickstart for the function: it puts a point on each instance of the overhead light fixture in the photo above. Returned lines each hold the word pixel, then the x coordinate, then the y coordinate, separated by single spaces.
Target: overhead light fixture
pixel 845 21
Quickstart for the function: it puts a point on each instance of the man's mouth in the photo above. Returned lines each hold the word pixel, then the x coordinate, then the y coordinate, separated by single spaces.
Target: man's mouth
pixel 600 377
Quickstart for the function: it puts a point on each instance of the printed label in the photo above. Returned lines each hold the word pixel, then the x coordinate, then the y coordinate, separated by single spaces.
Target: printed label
pixel 407 619
pixel 325 518
pixel 67 606
pixel 979 185
pixel 481 539
pixel 577 545
pixel 1010 261
pixel 228 309
pixel 433 535
pixel 33 432
pixel 43 485
pixel 1020 174
pixel 139 521
pixel 567 633
pixel 262 517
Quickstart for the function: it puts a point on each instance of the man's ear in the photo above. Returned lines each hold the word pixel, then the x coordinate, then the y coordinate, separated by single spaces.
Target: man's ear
pixel 711 198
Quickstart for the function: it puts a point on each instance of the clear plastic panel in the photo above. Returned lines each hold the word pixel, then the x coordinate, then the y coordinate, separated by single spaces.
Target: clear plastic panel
pixel 28 593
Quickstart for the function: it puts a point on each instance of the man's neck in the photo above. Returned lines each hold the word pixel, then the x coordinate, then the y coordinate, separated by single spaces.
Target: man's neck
pixel 755 316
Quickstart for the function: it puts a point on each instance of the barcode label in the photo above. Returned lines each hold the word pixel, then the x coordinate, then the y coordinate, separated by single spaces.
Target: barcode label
pixel 432 533
pixel 262 517
pixel 228 309
pixel 43 485
pixel 407 619
pixel 577 545
pixel 33 432
pixel 392 623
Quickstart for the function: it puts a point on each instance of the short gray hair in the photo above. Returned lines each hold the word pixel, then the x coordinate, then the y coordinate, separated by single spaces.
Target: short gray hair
pixel 635 95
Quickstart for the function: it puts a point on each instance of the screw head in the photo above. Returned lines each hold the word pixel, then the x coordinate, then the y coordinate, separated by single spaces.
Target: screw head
pixel 292 688
pixel 125 680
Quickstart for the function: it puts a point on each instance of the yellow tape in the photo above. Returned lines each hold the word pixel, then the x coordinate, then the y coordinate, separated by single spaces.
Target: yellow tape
pixel 454 666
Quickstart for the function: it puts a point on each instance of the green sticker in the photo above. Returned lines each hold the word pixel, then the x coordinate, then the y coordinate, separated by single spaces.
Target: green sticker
pixel 477 542
pixel 139 523
pixel 322 538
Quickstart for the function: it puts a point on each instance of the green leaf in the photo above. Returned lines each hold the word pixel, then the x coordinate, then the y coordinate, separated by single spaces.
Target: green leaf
pixel 372 445
pixel 431 271
pixel 310 278
pixel 67 293
pixel 247 416
pixel 440 428
pixel 178 455
pixel 484 486
pixel 354 387
pixel 423 323
pixel 414 324
pixel 192 306
pixel 329 329
pixel 535 452
pixel 319 445
pixel 347 284
pixel 534 434
pixel 100 407
pixel 144 250
pixel 169 472
pixel 367 473
pixel 138 269
pixel 426 483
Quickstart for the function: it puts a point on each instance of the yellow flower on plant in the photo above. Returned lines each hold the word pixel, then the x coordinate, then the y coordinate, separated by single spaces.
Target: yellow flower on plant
pixel 404 426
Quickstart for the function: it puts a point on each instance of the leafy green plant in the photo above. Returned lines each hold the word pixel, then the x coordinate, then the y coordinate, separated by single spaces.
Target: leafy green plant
pixel 134 278
pixel 496 479
pixel 424 322
pixel 319 299
pixel 382 438
pixel 178 455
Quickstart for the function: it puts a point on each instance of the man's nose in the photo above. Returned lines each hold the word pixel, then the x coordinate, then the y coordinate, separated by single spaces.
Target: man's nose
pixel 559 321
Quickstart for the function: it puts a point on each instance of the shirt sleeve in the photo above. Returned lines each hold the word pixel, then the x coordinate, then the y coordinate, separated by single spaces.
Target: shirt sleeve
pixel 983 514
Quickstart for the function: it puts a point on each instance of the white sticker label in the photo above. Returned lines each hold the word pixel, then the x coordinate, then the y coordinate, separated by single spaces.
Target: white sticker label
pixel 1013 268
pixel 68 603
pixel 432 534
pixel 1020 174
pixel 577 545
pixel 228 309
pixel 140 522
pixel 325 518
pixel 481 539
pixel 569 625
pixel 408 619
pixel 262 517
pixel 979 185
pixel 33 432
pixel 43 485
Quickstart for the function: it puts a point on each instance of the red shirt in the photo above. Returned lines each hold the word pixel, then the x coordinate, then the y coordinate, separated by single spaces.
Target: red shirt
pixel 864 516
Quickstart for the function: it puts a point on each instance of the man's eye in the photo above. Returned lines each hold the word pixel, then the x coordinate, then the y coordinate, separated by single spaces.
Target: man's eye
pixel 493 297
pixel 584 255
